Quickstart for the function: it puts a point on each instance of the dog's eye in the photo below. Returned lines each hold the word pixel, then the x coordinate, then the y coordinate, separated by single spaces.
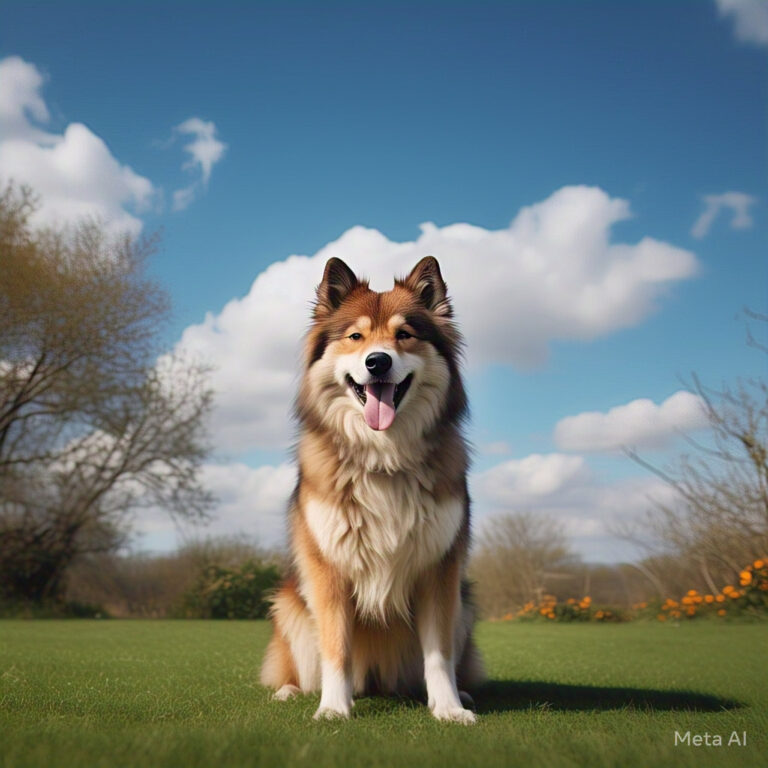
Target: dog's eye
pixel 355 336
pixel 401 335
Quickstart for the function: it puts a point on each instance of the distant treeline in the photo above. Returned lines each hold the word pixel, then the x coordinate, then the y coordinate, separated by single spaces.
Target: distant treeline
pixel 518 561
pixel 212 579
pixel 231 578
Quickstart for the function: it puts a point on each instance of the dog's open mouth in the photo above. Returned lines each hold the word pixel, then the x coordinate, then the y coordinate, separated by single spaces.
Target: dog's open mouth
pixel 380 400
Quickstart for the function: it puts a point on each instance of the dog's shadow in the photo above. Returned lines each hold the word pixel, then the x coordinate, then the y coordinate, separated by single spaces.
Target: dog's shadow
pixel 513 695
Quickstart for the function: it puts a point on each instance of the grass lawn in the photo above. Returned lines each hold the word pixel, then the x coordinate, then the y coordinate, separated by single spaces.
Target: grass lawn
pixel 185 693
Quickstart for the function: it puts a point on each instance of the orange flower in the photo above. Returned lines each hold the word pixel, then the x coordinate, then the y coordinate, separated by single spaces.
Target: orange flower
pixel 709 599
pixel 721 612
pixel 586 600
pixel 727 588
pixel 661 617
pixel 599 615
pixel 758 564
pixel 720 598
pixel 745 577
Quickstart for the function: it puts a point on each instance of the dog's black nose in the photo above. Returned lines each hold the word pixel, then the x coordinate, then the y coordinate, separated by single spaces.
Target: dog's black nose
pixel 378 363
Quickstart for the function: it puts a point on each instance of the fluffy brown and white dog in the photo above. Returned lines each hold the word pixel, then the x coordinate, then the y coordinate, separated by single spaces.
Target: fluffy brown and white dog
pixel 379 518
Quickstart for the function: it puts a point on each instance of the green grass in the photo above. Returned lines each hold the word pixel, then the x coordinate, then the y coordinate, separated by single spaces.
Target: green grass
pixel 185 693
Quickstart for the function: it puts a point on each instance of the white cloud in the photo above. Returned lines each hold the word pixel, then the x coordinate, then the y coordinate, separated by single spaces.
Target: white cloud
pixel 563 487
pixel 525 481
pixel 183 197
pixel 552 274
pixel 738 202
pixel 205 150
pixel 251 501
pixel 750 18
pixel 74 172
pixel 640 423
pixel 20 99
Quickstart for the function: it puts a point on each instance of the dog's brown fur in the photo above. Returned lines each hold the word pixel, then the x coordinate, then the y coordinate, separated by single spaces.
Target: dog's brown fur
pixel 379 520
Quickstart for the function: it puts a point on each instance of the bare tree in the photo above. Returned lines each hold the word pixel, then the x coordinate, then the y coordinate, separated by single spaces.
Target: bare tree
pixel 719 521
pixel 92 424
pixel 515 557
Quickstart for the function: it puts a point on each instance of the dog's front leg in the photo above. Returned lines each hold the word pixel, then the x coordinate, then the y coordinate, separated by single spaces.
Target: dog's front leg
pixel 437 611
pixel 333 612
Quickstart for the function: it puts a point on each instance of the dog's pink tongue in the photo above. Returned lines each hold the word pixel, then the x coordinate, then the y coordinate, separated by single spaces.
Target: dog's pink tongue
pixel 379 405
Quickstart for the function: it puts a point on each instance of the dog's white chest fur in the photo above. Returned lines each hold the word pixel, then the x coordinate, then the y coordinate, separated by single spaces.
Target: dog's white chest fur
pixel 385 537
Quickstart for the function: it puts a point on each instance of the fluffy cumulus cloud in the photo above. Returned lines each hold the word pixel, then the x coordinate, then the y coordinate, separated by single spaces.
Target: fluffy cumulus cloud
pixel 563 487
pixel 523 481
pixel 74 172
pixel 253 501
pixel 738 203
pixel 553 273
pixel 750 19
pixel 641 424
pixel 250 501
pixel 204 150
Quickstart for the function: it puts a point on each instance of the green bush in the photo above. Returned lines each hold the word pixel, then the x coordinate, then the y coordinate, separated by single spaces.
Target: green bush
pixel 240 592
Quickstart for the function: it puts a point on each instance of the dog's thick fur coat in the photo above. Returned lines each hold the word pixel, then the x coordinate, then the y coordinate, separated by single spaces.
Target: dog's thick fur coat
pixel 379 519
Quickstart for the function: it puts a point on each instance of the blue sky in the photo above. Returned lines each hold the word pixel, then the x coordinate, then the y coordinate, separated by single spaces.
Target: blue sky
pixel 326 117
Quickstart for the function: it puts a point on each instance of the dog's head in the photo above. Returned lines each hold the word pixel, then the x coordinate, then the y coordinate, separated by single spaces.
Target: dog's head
pixel 381 362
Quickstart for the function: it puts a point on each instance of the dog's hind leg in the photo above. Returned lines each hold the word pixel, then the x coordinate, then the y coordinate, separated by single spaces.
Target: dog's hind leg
pixel 291 662
pixel 278 670
pixel 470 670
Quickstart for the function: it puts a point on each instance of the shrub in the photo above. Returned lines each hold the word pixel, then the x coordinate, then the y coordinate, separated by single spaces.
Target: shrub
pixel 749 599
pixel 570 610
pixel 239 592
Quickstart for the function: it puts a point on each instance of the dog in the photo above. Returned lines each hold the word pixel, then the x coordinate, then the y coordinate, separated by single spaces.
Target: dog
pixel 379 520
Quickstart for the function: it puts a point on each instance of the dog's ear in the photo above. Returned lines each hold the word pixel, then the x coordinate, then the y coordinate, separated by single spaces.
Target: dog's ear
pixel 338 281
pixel 427 283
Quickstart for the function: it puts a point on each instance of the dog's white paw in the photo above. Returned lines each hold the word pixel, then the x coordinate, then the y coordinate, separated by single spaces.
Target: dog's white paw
pixel 455 715
pixel 331 713
pixel 286 692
